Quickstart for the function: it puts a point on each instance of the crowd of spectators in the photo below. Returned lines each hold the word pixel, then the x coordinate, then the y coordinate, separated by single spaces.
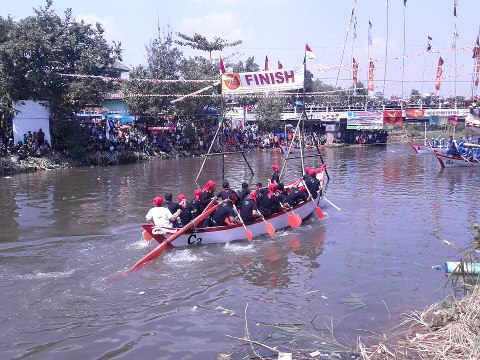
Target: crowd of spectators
pixel 32 145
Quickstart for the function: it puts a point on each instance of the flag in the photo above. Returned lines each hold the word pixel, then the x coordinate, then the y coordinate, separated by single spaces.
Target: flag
pixel 371 87
pixel 355 72
pixel 429 46
pixel 309 53
pixel 455 8
pixel 439 73
pixel 453 40
pixel 280 66
pixel 369 33
pixel 452 119
pixel 476 48
pixel 352 15
pixel 404 2
pixel 222 67
pixel 266 63
pixel 355 28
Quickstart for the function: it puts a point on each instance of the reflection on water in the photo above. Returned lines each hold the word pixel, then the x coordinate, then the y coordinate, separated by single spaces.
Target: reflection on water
pixel 66 232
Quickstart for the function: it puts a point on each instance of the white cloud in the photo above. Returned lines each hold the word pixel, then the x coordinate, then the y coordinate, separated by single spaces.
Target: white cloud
pixel 224 25
pixel 108 23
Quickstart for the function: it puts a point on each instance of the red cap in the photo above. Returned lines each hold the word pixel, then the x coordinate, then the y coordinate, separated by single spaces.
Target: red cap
pixel 275 167
pixel 272 187
pixel 197 192
pixel 302 189
pixel 310 171
pixel 158 201
pixel 181 196
pixel 253 195
pixel 210 185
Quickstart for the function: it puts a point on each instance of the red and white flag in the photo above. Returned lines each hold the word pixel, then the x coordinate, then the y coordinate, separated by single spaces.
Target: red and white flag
pixel 222 67
pixel 355 72
pixel 280 66
pixel 371 87
pixel 439 74
pixel 266 63
pixel 309 53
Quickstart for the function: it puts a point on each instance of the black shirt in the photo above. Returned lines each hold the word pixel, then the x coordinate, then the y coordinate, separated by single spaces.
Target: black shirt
pixel 275 177
pixel 296 196
pixel 224 211
pixel 186 214
pixel 246 211
pixel 242 195
pixel 205 199
pixel 173 207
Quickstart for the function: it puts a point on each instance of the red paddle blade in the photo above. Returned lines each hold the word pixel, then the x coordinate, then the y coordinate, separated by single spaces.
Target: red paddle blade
pixel 146 235
pixel 298 219
pixel 249 235
pixel 292 221
pixel 319 212
pixel 270 229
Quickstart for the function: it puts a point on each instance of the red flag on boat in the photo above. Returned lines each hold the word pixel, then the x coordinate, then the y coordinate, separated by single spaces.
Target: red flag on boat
pixel 439 74
pixel 266 63
pixel 280 66
pixel 371 86
pixel 222 67
pixel 355 72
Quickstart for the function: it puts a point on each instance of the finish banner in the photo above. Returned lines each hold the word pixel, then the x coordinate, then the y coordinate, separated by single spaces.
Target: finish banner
pixel 365 120
pixel 262 81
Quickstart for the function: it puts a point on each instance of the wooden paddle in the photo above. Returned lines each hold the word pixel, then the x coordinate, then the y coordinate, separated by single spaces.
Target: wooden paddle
pixel 163 246
pixel 318 211
pixel 269 227
pixel 146 235
pixel 294 220
pixel 248 233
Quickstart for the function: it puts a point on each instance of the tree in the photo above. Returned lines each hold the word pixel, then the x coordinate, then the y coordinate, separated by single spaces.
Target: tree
pixel 200 42
pixel 268 110
pixel 147 93
pixel 415 97
pixel 43 57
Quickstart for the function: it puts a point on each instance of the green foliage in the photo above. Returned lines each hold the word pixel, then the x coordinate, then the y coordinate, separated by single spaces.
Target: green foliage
pixel 37 52
pixel 144 95
pixel 476 237
pixel 268 110
pixel 70 138
pixel 200 42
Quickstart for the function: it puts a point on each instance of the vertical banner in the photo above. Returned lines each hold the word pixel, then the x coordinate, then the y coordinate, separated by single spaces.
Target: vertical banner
pixel 477 75
pixel 439 73
pixel 355 73
pixel 371 87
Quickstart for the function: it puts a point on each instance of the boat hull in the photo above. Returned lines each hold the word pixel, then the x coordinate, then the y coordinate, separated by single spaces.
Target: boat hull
pixel 454 161
pixel 226 234
pixel 425 149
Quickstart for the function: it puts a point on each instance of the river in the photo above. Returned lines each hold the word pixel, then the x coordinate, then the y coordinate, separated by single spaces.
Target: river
pixel 66 233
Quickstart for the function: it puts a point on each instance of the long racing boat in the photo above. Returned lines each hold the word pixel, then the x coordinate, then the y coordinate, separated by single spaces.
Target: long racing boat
pixel 426 149
pixel 447 161
pixel 229 233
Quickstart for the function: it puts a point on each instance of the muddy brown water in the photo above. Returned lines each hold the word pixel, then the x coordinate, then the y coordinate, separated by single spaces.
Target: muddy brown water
pixel 65 233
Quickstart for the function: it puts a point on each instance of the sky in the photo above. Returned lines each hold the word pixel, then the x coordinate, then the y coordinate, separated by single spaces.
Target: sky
pixel 280 29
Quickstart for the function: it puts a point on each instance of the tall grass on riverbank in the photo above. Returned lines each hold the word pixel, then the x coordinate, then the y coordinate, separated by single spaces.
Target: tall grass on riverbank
pixel 445 330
